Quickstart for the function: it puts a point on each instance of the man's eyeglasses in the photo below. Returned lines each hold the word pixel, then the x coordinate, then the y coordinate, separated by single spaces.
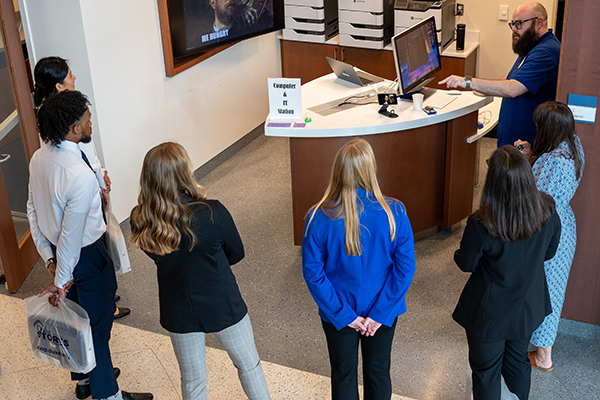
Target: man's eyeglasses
pixel 519 24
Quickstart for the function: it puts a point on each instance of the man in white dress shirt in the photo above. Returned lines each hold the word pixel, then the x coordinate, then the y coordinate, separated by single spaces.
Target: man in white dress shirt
pixel 64 209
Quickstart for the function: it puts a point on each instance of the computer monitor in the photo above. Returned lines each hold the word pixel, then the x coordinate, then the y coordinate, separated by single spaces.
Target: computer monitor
pixel 417 56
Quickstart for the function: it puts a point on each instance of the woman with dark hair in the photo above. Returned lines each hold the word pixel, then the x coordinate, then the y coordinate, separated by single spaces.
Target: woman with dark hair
pixel 504 246
pixel 358 261
pixel 194 243
pixel 53 75
pixel 557 161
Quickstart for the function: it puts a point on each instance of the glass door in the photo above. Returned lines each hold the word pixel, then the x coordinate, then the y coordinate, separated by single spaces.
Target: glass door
pixel 13 159
pixel 18 141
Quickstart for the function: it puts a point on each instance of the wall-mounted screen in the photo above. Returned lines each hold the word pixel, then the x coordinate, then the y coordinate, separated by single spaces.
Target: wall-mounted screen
pixel 200 25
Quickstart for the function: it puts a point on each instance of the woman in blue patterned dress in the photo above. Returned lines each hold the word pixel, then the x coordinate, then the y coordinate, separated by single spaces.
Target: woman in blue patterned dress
pixel 558 160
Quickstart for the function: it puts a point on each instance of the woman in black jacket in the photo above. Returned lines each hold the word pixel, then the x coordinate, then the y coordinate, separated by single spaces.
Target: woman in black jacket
pixel 504 246
pixel 194 242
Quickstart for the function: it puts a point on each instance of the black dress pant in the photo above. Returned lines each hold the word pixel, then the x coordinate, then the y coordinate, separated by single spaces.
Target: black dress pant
pixel 94 290
pixel 343 357
pixel 492 358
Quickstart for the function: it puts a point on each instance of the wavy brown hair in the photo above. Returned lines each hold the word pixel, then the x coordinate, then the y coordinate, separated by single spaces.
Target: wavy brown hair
pixel 160 218
pixel 555 124
pixel 511 206
pixel 354 167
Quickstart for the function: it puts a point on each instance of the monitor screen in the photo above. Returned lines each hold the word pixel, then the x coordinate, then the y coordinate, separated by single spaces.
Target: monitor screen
pixel 200 25
pixel 417 56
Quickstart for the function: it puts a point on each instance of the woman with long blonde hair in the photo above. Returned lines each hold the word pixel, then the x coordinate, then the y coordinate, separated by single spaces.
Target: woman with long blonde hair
pixel 358 261
pixel 194 242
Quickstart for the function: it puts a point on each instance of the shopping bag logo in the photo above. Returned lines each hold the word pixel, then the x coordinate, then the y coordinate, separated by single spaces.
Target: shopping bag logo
pixel 60 336
pixel 46 335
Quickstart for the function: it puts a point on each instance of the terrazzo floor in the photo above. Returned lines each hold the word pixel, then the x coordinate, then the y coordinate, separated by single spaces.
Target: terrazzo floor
pixel 429 356
pixel 147 364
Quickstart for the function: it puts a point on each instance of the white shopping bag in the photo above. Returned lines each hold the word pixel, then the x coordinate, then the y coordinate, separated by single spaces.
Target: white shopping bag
pixel 115 244
pixel 60 336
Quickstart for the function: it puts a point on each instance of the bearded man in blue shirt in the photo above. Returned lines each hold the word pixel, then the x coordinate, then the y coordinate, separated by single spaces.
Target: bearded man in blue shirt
pixel 532 79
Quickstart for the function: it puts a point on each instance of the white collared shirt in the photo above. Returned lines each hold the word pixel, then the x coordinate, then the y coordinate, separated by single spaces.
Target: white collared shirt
pixel 64 207
pixel 223 28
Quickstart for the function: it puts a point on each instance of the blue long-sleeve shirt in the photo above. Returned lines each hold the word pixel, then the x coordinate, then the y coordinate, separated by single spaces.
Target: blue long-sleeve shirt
pixel 373 284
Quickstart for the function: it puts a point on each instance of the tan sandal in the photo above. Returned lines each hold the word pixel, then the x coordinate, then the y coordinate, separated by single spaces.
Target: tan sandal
pixel 534 364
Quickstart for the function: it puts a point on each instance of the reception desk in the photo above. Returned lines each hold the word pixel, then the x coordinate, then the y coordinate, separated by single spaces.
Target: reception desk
pixel 422 160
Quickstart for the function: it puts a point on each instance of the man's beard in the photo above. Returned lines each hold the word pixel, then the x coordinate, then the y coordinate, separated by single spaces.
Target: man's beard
pixel 86 138
pixel 529 39
pixel 226 15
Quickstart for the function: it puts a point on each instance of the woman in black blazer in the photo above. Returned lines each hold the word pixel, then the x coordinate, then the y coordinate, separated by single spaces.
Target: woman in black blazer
pixel 504 246
pixel 194 242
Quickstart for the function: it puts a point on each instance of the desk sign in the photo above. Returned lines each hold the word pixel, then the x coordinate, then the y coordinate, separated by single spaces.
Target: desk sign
pixel 285 100
pixel 583 108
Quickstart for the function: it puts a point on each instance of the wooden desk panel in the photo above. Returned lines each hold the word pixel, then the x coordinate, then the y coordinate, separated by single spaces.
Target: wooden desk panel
pixel 429 169
pixel 307 61
pixel 460 163
pixel 376 62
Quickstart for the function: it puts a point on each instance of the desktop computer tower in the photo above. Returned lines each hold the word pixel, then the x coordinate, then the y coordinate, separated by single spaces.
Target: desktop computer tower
pixel 368 23
pixel 310 20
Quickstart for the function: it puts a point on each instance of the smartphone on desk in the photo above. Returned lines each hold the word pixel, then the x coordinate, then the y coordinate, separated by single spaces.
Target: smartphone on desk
pixel 387 98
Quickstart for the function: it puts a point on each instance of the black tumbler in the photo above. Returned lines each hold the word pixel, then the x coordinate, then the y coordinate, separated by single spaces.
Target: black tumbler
pixel 460 36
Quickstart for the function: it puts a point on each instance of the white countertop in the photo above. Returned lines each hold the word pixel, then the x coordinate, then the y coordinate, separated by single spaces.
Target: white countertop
pixel 471 44
pixel 451 51
pixel 365 119
pixel 488 116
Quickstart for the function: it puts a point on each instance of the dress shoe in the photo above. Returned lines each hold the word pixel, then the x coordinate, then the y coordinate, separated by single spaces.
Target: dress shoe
pixel 122 312
pixel 117 298
pixel 534 363
pixel 136 396
pixel 84 391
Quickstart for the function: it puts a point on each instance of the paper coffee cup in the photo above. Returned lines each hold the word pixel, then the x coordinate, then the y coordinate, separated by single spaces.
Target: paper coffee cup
pixel 418 101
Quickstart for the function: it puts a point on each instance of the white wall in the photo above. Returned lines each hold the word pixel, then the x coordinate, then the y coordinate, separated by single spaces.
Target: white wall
pixel 495 51
pixel 61 35
pixel 115 50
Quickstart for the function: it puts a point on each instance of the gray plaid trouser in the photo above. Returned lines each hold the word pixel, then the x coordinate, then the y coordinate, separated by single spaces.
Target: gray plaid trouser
pixel 238 340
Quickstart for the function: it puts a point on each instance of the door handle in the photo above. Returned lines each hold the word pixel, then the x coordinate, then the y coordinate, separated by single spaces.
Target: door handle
pixel 335 54
pixel 4 157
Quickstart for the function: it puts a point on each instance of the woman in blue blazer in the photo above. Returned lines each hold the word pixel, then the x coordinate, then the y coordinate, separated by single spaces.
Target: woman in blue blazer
pixel 358 261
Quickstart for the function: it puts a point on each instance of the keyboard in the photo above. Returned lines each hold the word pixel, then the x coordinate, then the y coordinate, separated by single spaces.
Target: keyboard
pixel 365 81
pixel 368 79
pixel 441 101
